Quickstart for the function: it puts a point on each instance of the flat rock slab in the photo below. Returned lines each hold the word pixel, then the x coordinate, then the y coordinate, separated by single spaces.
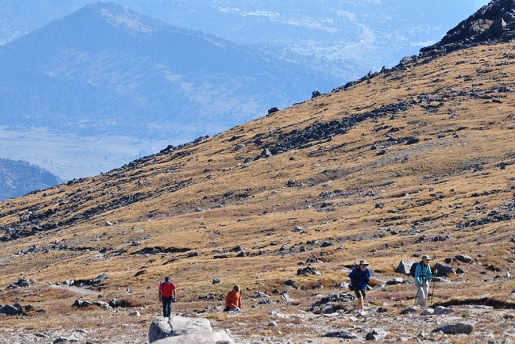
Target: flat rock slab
pixel 216 337
pixel 456 328
pixel 177 326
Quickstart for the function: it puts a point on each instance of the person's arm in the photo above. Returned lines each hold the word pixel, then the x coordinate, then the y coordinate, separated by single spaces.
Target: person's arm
pixel 351 276
pixel 429 273
pixel 239 300
pixel 418 280
pixel 160 295
pixel 173 295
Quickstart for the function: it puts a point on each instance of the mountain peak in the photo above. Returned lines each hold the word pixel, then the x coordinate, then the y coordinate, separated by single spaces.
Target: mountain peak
pixel 494 22
pixel 121 17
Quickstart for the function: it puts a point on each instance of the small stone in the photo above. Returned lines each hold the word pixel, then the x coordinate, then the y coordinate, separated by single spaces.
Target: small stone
pixel 442 310
pixel 413 309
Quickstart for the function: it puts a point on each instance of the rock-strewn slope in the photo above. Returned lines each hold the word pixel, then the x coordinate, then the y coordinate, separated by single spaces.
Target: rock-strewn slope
pixel 414 160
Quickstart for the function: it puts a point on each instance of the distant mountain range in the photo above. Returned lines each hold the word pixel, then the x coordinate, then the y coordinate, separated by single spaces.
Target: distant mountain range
pixel 18 178
pixel 104 85
pixel 371 33
pixel 104 69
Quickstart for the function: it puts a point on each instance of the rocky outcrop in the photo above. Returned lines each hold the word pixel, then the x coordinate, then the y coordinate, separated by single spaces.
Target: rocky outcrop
pixel 494 22
pixel 185 330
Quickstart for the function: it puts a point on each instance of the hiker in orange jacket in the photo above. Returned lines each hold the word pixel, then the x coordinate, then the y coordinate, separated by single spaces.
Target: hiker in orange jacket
pixel 233 300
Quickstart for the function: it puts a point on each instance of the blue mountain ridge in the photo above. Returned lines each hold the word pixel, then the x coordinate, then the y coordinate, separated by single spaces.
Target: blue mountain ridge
pixel 105 69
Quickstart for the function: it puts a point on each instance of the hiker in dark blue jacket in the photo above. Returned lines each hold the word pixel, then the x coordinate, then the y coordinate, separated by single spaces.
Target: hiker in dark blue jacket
pixel 359 278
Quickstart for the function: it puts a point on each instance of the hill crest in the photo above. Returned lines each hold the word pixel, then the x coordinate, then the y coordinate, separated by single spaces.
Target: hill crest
pixel 492 23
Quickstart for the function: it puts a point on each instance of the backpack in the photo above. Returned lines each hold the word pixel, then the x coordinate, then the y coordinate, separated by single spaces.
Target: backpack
pixel 413 268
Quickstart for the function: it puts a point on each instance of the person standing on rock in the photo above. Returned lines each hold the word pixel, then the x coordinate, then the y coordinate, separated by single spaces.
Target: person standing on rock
pixel 233 300
pixel 422 276
pixel 167 296
pixel 360 277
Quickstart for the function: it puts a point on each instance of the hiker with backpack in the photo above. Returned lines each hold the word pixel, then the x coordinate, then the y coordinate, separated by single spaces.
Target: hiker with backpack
pixel 360 277
pixel 167 296
pixel 422 274
pixel 233 300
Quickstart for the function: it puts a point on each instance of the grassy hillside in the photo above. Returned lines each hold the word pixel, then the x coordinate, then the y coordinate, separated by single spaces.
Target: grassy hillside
pixel 414 160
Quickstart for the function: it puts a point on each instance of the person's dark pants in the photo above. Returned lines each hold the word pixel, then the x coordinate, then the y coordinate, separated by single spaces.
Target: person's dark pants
pixel 167 306
pixel 360 293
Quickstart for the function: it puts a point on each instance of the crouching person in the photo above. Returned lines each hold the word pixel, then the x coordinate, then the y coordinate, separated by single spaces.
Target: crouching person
pixel 233 300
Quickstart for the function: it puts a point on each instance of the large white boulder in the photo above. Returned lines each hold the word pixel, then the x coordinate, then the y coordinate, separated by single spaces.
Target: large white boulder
pixel 185 330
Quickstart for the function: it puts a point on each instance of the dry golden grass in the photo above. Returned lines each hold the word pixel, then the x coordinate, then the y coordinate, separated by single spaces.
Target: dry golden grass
pixel 206 198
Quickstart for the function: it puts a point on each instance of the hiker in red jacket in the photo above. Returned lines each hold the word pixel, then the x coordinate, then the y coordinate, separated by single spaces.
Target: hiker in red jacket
pixel 167 296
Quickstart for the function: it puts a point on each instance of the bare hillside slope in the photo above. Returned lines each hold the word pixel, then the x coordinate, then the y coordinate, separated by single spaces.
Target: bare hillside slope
pixel 415 160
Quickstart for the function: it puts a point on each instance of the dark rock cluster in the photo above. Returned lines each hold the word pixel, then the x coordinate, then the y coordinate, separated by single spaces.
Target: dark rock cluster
pixel 492 23
pixel 336 302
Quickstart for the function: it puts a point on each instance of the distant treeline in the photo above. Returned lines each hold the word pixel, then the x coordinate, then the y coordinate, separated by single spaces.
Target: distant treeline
pixel 18 178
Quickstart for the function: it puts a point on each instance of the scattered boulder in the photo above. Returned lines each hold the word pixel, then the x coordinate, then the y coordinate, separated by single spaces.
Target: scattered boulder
pixel 315 94
pixel 23 282
pixel 442 310
pixel 449 260
pixel 15 309
pixel 463 258
pixel 440 270
pixel 80 283
pixel 309 270
pixel 428 311
pixel 290 284
pixel 266 153
pixel 272 110
pixel 74 337
pixel 410 310
pixel 102 304
pixel 404 267
pixel 332 303
pixel 260 294
pixel 81 303
pixel 458 328
pixel 343 334
pixel 376 334
pixel 395 281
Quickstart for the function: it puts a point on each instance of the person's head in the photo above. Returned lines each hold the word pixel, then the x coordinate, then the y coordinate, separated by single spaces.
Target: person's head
pixel 363 264
pixel 236 288
pixel 167 278
pixel 426 259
